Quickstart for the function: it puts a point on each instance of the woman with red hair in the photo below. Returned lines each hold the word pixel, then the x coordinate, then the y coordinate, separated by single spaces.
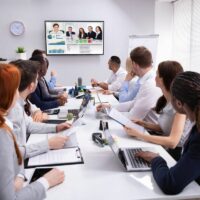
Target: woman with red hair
pixel 11 168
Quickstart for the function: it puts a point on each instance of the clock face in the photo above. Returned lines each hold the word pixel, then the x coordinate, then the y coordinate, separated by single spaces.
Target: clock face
pixel 17 28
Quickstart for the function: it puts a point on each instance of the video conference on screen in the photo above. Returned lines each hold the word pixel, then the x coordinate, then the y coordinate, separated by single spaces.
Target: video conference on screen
pixel 74 37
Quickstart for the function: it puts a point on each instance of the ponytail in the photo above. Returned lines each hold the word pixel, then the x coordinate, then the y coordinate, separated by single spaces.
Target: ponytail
pixel 19 155
pixel 2 120
pixel 160 104
pixel 9 83
pixel 167 70
pixel 3 125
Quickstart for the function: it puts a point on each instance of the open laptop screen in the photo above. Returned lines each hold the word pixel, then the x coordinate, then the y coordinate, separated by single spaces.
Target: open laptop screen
pixel 111 142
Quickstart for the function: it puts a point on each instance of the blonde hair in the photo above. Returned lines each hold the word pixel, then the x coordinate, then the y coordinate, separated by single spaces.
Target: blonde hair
pixel 129 65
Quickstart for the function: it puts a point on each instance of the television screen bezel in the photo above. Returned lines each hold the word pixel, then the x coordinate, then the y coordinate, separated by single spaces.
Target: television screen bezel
pixel 95 21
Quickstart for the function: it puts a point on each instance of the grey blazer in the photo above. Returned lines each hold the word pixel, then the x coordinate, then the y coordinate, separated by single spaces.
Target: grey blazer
pixel 24 125
pixel 9 169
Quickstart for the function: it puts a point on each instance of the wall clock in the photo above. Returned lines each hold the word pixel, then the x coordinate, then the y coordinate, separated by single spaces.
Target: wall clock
pixel 17 28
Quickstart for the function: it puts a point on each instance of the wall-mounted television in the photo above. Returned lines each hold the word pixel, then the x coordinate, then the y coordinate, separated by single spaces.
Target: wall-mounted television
pixel 74 37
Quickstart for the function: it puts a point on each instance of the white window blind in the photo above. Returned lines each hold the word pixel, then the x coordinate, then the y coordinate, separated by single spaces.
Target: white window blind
pixel 186 34
pixel 195 37
pixel 182 32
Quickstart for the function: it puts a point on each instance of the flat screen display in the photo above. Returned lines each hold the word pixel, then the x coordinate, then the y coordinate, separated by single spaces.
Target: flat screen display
pixel 74 37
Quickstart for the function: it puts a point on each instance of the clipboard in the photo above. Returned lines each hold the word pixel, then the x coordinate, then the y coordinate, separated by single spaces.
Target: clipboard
pixel 67 156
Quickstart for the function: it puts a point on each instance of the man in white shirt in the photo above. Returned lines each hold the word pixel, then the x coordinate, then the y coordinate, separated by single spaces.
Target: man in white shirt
pixel 117 77
pixel 147 92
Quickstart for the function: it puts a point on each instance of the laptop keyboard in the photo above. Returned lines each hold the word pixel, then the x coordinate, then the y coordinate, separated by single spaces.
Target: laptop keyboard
pixel 135 161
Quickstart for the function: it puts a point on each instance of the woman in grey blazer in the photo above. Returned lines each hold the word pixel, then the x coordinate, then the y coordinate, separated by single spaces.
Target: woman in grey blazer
pixel 11 181
pixel 23 124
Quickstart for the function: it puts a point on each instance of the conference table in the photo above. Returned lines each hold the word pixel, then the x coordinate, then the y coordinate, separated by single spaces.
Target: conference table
pixel 102 176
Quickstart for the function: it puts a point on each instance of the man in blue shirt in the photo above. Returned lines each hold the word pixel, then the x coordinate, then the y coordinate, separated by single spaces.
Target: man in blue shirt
pixel 130 86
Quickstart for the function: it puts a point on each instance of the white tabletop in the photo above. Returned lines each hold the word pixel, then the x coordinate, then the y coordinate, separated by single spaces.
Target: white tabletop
pixel 103 177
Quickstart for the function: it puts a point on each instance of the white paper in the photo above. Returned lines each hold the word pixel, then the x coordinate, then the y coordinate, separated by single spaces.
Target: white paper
pixel 72 129
pixel 69 132
pixel 120 118
pixel 73 103
pixel 35 138
pixel 71 142
pixel 60 156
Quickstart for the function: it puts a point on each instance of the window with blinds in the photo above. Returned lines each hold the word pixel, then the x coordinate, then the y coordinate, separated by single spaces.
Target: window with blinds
pixel 186 34
pixel 195 37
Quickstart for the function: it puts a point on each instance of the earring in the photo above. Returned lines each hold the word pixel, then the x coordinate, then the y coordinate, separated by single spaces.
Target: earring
pixel 179 104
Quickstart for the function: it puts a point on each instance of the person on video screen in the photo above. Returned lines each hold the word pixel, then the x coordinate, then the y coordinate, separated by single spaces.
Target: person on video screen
pixel 91 33
pixel 98 33
pixel 70 32
pixel 56 29
pixel 82 34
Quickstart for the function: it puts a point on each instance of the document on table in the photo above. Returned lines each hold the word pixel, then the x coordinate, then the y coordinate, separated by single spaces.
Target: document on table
pixel 120 118
pixel 35 138
pixel 71 142
pixel 57 157
pixel 73 128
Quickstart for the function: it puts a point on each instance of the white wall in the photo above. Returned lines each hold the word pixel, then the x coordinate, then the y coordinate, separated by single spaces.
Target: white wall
pixel 163 27
pixel 122 18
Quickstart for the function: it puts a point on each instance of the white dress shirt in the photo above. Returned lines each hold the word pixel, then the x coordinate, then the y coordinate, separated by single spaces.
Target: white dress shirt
pixel 116 79
pixel 145 99
pixel 33 108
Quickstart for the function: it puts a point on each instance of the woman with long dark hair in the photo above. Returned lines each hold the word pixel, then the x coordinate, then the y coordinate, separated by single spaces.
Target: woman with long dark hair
pixel 82 34
pixel 98 33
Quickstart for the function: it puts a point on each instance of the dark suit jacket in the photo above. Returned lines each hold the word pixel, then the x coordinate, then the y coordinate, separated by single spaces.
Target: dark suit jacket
pixel 68 35
pixel 91 35
pixel 99 36
pixel 41 101
pixel 83 37
pixel 173 180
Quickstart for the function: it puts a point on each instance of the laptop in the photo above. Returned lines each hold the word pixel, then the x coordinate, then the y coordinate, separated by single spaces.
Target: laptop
pixel 126 155
pixel 77 112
